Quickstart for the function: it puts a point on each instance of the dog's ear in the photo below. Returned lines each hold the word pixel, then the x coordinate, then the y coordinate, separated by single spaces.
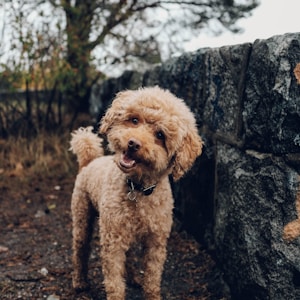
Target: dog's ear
pixel 115 112
pixel 189 150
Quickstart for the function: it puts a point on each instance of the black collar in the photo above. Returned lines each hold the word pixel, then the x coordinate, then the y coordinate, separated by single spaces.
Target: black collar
pixel 133 187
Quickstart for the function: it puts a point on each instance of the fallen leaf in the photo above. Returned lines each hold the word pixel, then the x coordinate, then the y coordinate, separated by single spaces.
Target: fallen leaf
pixel 297 73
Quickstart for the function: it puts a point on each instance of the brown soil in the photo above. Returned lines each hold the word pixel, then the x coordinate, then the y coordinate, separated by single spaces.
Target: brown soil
pixel 35 249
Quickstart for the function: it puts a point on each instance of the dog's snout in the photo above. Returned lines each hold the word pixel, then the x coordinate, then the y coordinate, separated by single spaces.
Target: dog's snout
pixel 134 144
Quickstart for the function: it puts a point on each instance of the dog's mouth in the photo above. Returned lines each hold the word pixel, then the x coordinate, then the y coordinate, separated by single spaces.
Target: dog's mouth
pixel 127 161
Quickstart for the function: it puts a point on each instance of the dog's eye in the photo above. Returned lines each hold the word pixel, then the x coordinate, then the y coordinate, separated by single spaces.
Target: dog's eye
pixel 135 121
pixel 160 135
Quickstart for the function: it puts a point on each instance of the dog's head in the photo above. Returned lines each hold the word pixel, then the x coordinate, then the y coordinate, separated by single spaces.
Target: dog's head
pixel 152 132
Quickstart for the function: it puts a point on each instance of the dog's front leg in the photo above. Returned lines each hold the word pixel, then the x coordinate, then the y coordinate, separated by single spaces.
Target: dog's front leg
pixel 113 256
pixel 154 260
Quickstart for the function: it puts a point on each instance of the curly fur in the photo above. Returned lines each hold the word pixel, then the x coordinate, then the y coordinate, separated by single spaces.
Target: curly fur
pixel 153 135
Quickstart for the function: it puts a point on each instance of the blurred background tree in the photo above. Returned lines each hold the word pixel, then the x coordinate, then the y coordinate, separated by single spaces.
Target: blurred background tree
pixel 65 46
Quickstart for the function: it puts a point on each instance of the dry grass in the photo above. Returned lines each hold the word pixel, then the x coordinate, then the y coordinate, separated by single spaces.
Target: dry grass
pixel 45 155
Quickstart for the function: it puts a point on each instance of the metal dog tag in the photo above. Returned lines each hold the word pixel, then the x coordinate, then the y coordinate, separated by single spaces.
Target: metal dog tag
pixel 131 195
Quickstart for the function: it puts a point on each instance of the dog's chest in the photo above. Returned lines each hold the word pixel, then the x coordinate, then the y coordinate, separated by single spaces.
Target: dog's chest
pixel 144 217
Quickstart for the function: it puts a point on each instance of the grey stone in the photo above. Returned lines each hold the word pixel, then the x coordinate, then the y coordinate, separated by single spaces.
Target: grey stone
pixel 255 199
pixel 241 192
pixel 272 100
pixel 224 85
pixel 184 77
pixel 151 77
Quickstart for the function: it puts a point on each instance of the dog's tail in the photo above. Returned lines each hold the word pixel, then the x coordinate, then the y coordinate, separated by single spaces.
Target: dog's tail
pixel 86 145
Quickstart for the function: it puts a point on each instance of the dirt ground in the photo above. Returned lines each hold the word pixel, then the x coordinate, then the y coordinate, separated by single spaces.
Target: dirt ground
pixel 35 249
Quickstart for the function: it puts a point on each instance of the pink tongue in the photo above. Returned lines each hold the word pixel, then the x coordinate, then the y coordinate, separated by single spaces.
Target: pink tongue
pixel 126 161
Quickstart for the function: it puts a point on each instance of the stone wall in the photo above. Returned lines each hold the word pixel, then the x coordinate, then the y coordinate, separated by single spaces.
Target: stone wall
pixel 241 193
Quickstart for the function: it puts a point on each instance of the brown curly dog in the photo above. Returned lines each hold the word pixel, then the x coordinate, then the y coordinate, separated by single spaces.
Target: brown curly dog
pixel 153 135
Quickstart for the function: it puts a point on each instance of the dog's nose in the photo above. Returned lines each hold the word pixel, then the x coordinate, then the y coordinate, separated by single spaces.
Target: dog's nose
pixel 134 144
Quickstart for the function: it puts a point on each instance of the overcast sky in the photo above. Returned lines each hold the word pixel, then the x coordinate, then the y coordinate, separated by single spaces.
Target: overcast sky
pixel 271 17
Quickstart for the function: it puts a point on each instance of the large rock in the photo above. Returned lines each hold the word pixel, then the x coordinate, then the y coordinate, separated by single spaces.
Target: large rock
pixel 255 199
pixel 241 191
pixel 224 83
pixel 272 102
pixel 257 183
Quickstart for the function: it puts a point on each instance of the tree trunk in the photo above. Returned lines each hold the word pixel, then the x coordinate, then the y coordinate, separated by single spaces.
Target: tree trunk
pixel 78 56
pixel 28 102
